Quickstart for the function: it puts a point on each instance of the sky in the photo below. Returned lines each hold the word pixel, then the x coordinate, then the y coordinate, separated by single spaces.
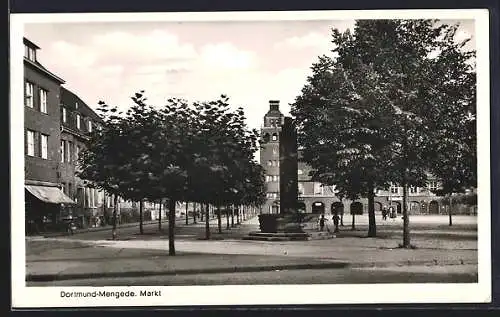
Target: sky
pixel 251 62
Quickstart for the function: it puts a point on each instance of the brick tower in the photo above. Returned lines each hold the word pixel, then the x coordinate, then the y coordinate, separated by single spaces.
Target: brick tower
pixel 270 155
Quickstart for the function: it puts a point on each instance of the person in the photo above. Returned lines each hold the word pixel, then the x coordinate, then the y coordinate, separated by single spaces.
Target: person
pixel 336 222
pixel 322 222
pixel 392 212
pixel 384 213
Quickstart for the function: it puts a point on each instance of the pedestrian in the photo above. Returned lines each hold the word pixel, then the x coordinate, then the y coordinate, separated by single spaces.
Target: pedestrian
pixel 384 213
pixel 322 222
pixel 336 222
pixel 392 213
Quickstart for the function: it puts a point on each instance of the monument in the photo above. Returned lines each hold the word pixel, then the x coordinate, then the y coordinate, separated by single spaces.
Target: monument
pixel 289 220
pixel 285 225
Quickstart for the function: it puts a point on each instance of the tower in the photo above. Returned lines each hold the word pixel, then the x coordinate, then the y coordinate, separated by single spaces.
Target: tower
pixel 270 155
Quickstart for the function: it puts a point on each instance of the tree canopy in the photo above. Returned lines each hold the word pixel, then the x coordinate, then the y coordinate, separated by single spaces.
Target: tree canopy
pixel 201 152
pixel 392 103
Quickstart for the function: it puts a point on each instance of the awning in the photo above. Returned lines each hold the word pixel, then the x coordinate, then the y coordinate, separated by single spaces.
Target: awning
pixel 52 195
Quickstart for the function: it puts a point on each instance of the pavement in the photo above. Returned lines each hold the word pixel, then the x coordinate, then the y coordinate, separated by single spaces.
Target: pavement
pixel 72 258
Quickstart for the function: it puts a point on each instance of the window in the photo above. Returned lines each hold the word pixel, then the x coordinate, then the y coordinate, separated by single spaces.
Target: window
pixel 413 189
pixel 29 53
pixel 28 94
pixel 394 190
pixel 273 163
pixel 432 185
pixel 43 146
pixel 300 172
pixel 78 121
pixel 275 137
pixel 76 105
pixel 90 126
pixel 30 139
pixel 275 151
pixel 43 100
pixel 276 178
pixel 269 178
pixel 64 115
pixel 63 150
pixel 269 163
pixel 77 152
pixel 68 151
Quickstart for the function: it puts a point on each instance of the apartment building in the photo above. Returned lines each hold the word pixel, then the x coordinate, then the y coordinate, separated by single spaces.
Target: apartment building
pixel 43 197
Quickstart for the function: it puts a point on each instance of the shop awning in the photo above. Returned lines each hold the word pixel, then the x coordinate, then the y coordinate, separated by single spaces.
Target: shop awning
pixel 52 195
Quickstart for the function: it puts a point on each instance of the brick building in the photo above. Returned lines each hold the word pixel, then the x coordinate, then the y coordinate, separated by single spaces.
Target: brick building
pixel 77 121
pixel 43 196
pixel 315 198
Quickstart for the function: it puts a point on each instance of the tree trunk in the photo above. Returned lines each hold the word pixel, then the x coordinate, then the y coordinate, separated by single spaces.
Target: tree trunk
pixel 336 220
pixel 238 215
pixel 141 228
pixel 171 226
pixel 219 219
pixel 372 227
pixel 406 222
pixel 115 212
pixel 187 219
pixel 159 215
pixel 449 212
pixel 202 212
pixel 353 226
pixel 207 222
pixel 194 213
pixel 227 218
pixel 232 216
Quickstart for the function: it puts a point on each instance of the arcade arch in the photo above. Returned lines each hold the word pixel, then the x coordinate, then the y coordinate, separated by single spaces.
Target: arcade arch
pixel 433 207
pixel 318 207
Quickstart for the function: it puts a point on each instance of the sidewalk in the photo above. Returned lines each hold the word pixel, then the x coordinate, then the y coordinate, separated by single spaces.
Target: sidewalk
pixel 178 222
pixel 72 258
pixel 86 262
pixel 92 259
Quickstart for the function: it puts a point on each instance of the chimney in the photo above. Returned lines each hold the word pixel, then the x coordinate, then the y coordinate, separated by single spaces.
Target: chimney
pixel 274 105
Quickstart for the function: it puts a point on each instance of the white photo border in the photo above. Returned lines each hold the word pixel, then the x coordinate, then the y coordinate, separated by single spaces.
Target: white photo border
pixel 42 297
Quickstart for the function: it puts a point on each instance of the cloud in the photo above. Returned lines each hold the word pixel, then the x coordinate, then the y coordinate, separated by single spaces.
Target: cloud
pixel 113 66
pixel 226 55
pixel 131 48
pixel 309 40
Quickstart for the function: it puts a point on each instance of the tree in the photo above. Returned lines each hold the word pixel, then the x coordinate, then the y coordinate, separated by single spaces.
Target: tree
pixel 224 150
pixel 380 90
pixel 102 162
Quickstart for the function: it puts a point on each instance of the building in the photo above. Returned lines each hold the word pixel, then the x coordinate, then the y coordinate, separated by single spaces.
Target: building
pixel 43 196
pixel 77 121
pixel 315 198
pixel 269 155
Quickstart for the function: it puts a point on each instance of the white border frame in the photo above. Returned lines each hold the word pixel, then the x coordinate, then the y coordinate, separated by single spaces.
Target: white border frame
pixel 24 297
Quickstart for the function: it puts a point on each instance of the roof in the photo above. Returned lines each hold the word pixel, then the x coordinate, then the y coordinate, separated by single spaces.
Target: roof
pixel 29 43
pixel 69 100
pixel 39 67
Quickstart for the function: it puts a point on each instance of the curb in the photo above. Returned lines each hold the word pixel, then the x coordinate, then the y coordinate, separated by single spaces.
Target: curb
pixel 236 269
pixel 127 225
pixel 411 263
